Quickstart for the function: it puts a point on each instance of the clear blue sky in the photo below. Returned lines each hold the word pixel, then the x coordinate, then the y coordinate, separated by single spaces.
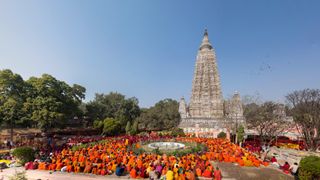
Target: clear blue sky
pixel 147 49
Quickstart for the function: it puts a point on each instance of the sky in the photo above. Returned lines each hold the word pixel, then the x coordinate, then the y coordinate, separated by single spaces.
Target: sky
pixel 147 49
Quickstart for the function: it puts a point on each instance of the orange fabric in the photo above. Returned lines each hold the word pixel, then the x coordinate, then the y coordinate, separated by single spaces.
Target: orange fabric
pixel 207 173
pixel 133 173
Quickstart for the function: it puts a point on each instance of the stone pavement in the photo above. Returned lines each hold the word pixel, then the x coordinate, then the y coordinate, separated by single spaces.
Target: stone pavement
pixel 46 175
pixel 229 172
pixel 235 172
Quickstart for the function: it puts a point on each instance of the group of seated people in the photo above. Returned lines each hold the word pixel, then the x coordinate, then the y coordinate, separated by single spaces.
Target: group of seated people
pixel 286 167
pixel 114 157
pixel 157 170
pixel 6 160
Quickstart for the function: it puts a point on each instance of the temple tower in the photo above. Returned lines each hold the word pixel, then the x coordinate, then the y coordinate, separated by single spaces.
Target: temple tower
pixel 234 108
pixel 183 108
pixel 206 98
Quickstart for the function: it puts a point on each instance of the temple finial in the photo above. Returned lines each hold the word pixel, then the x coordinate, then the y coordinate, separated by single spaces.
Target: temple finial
pixel 205 32
pixel 205 41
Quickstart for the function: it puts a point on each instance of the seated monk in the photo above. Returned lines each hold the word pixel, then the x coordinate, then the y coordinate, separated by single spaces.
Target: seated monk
pixel 143 172
pixel 69 167
pixel 42 166
pixel 265 163
pixel 240 162
pixel 210 167
pixel 52 167
pixel 285 167
pixel 198 172
pixel 190 175
pixel 59 166
pixel 113 167
pixel 273 159
pixel 103 172
pixel 77 169
pixel 232 159
pixel 82 165
pixel 207 173
pixel 256 162
pixel 217 174
pixel 87 169
pixel 133 173
pixel 94 170
pixel 28 166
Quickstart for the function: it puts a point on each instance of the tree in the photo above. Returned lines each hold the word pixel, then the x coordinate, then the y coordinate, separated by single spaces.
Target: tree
pixel 222 135
pixel 114 105
pixel 128 127
pixel 305 109
pixel 43 102
pixel 175 132
pixel 12 94
pixel 46 112
pixel 240 133
pixel 52 102
pixel 163 115
pixel 265 121
pixel 111 127
pixel 134 130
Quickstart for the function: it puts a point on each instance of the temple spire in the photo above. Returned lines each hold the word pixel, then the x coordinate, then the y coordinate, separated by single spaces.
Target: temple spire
pixel 205 44
pixel 206 97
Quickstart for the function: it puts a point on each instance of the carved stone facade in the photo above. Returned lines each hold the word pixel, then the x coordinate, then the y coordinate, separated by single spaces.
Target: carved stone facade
pixel 206 98
pixel 207 111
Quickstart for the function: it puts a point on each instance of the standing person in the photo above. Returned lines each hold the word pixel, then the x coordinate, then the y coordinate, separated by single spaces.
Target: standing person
pixel 5 143
pixel 217 174
pixel 9 144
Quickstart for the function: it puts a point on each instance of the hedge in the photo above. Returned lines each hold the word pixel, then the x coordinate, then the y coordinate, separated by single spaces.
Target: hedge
pixel 24 154
pixel 309 168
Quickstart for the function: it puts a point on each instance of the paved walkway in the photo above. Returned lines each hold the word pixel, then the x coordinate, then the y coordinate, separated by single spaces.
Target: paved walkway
pixel 229 172
pixel 49 175
pixel 234 172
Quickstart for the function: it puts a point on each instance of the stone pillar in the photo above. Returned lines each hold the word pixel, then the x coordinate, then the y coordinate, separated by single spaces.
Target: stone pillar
pixel 197 130
pixel 228 134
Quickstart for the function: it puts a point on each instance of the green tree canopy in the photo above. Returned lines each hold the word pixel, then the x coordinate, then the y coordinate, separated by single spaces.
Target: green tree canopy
pixel 222 135
pixel 163 115
pixel 240 133
pixel 109 126
pixel 113 105
pixel 52 102
pixel 12 95
pixel 42 102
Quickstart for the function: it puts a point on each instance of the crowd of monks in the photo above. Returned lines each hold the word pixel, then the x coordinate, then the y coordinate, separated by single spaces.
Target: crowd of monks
pixel 104 158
